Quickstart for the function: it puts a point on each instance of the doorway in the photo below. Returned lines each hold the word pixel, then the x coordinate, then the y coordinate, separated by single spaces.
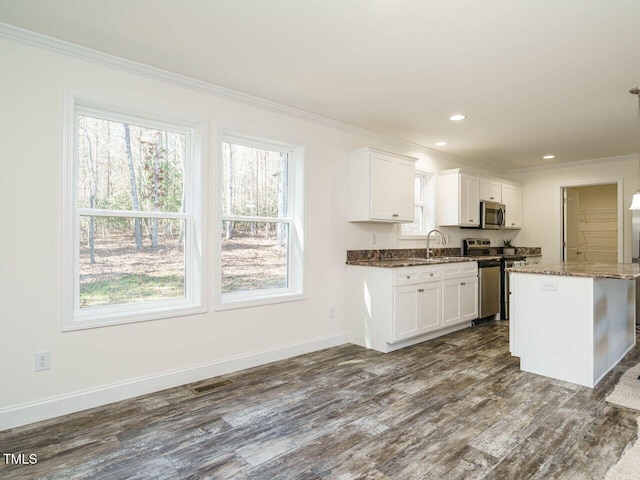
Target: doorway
pixel 590 223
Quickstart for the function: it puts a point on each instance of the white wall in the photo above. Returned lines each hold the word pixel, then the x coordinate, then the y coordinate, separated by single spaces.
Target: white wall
pixel 94 366
pixel 542 201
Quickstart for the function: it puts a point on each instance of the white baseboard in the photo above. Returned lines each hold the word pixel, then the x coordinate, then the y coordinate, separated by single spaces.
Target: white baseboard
pixel 23 414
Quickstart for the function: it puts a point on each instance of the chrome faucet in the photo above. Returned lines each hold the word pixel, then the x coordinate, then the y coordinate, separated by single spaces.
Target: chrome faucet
pixel 429 238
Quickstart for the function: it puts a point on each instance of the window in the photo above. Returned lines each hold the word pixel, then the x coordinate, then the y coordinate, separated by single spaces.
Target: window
pixel 261 240
pixel 131 227
pixel 423 207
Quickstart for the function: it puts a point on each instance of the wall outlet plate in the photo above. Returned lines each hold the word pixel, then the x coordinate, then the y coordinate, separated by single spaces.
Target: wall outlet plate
pixel 549 285
pixel 43 360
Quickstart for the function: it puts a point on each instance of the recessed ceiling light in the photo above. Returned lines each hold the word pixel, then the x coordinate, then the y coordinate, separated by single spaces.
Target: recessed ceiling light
pixel 441 144
pixel 549 157
pixel 457 117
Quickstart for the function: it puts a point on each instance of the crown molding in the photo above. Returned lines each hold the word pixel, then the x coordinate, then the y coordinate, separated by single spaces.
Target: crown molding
pixel 28 37
pixel 579 163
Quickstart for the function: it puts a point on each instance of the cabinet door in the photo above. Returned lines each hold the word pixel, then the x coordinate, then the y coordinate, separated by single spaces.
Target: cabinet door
pixel 403 199
pixel 459 301
pixel 429 306
pixel 512 199
pixel 405 312
pixel 392 188
pixel 382 189
pixel 416 310
pixel 490 190
pixel 469 200
pixel 451 313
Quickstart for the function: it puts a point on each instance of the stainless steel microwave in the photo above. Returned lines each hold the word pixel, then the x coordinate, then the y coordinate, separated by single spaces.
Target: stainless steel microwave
pixel 492 215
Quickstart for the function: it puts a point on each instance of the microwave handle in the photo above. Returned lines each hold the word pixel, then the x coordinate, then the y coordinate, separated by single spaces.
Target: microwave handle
pixel 501 217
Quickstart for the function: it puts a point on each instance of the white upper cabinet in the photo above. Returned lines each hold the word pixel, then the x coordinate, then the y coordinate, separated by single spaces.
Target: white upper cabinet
pixel 460 194
pixel 490 190
pixel 380 186
pixel 512 199
pixel 458 199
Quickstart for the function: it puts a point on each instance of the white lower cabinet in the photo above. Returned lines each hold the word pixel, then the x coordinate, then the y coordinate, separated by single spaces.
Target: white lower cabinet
pixel 460 301
pixel 391 308
pixel 416 310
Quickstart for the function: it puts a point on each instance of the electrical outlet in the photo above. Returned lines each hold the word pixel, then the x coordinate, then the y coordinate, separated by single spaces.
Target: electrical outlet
pixel 374 239
pixel 43 360
pixel 332 312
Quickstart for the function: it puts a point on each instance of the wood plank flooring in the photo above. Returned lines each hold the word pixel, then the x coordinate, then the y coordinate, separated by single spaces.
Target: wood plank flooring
pixel 457 407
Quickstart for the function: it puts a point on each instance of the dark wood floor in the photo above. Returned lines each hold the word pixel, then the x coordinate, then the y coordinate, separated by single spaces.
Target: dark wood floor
pixel 457 407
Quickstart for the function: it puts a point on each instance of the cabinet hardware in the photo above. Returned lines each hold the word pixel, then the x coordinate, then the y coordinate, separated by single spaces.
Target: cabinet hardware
pixel 431 274
pixel 463 283
pixel 408 277
pixel 421 289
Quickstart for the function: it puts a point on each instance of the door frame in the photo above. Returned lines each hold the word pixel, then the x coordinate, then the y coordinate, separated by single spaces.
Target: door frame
pixel 619 182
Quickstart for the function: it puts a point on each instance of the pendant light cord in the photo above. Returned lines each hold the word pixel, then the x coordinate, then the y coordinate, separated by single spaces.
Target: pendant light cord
pixel 635 201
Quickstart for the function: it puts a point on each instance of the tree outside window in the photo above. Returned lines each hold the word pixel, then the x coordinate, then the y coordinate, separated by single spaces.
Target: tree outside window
pixel 259 242
pixel 131 218
pixel 423 207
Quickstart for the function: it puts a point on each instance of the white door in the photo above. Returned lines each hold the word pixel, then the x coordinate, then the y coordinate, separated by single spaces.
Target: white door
pixel 571 226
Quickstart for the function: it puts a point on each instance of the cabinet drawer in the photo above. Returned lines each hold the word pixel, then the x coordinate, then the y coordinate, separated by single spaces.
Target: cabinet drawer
pixel 407 276
pixel 459 269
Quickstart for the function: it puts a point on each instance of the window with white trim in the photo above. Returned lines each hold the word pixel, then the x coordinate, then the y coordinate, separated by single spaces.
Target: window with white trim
pixel 261 248
pixel 132 225
pixel 424 200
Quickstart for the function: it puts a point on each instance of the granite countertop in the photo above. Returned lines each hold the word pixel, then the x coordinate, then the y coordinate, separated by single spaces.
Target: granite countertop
pixel 622 271
pixel 408 262
pixel 411 257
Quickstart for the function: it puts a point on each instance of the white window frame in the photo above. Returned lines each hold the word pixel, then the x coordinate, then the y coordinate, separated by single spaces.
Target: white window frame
pixel 295 219
pixel 428 206
pixel 194 301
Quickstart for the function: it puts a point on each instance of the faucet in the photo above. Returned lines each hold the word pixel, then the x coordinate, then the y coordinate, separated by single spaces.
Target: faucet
pixel 429 238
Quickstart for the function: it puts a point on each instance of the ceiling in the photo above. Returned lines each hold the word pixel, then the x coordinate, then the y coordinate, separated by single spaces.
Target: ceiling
pixel 534 77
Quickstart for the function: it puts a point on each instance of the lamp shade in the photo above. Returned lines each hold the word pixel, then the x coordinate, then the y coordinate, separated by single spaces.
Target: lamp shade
pixel 635 202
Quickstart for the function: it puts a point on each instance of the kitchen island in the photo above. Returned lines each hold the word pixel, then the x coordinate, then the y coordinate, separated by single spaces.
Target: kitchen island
pixel 572 321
